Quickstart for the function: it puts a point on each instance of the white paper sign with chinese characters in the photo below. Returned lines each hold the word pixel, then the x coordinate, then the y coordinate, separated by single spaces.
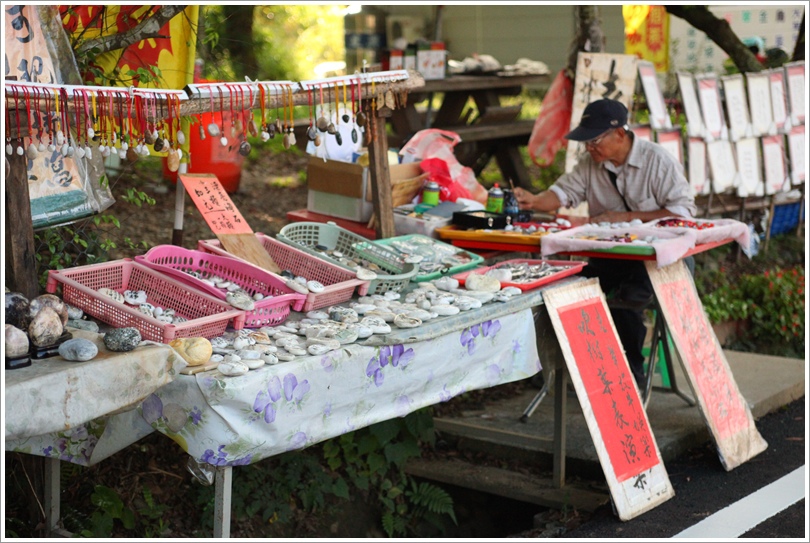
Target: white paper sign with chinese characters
pixel 723 407
pixel 610 400
pixel 599 75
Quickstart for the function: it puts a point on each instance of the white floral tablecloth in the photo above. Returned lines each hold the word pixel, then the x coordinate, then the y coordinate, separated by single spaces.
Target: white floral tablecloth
pixel 228 421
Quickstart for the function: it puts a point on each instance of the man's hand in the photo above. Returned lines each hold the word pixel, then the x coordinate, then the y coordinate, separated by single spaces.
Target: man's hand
pixel 525 198
pixel 544 201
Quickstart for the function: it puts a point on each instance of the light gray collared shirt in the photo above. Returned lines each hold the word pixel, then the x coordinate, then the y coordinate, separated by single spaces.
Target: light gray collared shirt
pixel 650 179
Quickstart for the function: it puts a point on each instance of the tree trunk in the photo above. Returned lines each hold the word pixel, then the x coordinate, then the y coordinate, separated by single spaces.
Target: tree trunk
pixel 588 35
pixel 238 39
pixel 720 32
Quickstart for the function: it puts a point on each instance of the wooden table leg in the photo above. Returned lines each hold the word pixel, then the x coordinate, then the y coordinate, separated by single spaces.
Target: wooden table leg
pixel 560 414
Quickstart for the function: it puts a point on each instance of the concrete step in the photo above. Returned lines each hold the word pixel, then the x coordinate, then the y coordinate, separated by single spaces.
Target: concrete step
pixel 509 484
pixel 766 382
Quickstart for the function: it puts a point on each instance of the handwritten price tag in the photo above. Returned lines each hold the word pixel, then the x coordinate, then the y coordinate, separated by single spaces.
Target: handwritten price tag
pixel 211 199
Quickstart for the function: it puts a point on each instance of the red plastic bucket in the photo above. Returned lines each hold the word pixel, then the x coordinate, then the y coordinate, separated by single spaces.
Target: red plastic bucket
pixel 209 155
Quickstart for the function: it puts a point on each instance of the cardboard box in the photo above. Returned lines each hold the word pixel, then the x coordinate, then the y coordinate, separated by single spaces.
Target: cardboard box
pixel 430 61
pixel 343 189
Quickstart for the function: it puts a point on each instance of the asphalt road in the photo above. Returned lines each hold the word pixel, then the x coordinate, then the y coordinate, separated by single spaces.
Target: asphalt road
pixel 702 488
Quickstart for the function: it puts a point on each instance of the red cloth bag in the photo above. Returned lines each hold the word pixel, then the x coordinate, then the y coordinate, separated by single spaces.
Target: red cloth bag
pixel 553 122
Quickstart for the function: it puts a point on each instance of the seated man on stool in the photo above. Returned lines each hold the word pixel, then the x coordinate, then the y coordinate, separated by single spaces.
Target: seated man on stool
pixel 622 178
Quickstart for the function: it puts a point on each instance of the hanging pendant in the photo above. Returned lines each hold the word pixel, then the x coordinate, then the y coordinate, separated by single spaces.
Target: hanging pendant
pixel 41 147
pixel 173 161
pixel 31 152
pixel 317 140
pixel 60 137
pixel 202 132
pixel 286 141
pixel 90 132
pixel 79 152
pixel 338 138
pixel 88 152
pixel 278 125
pixel 244 148
pixel 322 123
pixel 271 130
pixel 213 130
pixel 361 118
pixel 158 146
pixel 345 117
pixel 265 135
pixel 311 133
pixel 9 149
pixel 223 141
pixel 292 137
pixel 331 128
pixel 253 130
pixel 354 135
pixel 389 100
pixel 132 154
pixel 181 137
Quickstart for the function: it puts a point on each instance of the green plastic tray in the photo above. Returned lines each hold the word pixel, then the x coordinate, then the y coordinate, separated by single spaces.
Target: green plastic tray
pixel 476 260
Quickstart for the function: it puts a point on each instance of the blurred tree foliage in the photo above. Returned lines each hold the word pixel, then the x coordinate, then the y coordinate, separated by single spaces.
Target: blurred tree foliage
pixel 281 41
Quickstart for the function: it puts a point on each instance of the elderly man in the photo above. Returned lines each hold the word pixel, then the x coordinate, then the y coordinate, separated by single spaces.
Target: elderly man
pixel 622 178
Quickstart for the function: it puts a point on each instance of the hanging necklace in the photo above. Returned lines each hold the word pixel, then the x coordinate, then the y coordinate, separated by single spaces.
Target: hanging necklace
pixel 292 116
pixel 312 132
pixel 223 140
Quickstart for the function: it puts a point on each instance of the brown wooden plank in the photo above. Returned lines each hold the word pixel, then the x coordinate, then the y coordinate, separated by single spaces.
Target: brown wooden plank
pixel 517 129
pixel 380 175
pixel 248 247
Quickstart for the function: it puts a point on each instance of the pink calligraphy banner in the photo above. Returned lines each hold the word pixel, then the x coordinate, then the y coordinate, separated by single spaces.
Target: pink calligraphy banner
pixel 217 208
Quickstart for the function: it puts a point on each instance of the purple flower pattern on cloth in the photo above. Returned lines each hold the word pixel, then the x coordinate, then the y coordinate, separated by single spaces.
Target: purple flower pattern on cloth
pixel 395 355
pixel 487 329
pixel 290 388
pixel 75 445
pixel 220 458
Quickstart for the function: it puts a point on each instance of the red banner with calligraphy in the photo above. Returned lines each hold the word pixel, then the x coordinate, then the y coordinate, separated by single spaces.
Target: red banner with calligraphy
pixel 722 401
pixel 608 382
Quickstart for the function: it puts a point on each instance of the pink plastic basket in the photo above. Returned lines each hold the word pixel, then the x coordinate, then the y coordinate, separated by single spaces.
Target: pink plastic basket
pixel 207 316
pixel 269 311
pixel 339 282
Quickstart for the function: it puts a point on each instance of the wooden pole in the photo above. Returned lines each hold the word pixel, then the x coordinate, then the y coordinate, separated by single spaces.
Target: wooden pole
pixel 380 174
pixel 21 264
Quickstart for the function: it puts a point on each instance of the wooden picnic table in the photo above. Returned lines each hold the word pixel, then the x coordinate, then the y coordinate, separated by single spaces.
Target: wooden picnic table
pixel 490 129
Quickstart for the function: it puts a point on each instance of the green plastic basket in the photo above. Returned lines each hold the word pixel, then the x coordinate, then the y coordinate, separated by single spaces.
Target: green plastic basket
pixel 393 275
pixel 475 260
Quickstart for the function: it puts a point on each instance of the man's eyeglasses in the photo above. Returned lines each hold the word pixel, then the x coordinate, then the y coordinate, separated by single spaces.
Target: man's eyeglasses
pixel 596 141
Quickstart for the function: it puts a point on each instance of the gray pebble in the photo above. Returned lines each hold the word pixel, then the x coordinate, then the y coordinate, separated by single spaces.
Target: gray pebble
pixel 78 350
pixel 81 324
pixel 121 340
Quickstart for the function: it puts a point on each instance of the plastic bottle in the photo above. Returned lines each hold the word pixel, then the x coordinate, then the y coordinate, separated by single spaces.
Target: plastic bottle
pixel 510 203
pixel 430 193
pixel 495 199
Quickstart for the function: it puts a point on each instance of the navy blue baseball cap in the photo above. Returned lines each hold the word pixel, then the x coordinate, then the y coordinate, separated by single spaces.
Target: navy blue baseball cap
pixel 599 117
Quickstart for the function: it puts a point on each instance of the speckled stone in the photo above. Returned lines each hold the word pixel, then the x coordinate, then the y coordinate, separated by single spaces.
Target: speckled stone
pixel 18 310
pixel 45 328
pixel 78 350
pixel 52 301
pixel 121 340
pixel 16 341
